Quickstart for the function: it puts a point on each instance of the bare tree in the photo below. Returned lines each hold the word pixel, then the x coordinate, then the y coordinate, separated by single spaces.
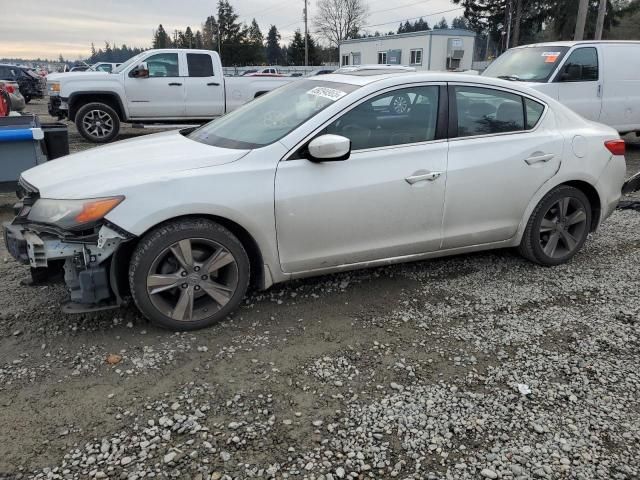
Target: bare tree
pixel 337 20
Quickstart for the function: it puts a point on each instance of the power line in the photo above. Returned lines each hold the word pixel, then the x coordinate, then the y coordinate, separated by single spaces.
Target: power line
pixel 414 18
pixel 396 8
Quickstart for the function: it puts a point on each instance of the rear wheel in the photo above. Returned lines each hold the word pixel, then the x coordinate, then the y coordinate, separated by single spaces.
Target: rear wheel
pixel 558 227
pixel 97 122
pixel 189 274
pixel 27 98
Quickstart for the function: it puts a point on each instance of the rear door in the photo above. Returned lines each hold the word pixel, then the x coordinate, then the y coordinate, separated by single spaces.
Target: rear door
pixel 204 90
pixel 503 148
pixel 162 94
pixel 580 82
pixel 621 86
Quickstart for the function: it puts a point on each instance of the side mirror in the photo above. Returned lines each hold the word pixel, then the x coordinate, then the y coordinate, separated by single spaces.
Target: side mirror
pixel 329 148
pixel 141 71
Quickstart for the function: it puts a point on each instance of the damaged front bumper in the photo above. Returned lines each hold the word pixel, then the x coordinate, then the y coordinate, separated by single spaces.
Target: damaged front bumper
pixel 90 264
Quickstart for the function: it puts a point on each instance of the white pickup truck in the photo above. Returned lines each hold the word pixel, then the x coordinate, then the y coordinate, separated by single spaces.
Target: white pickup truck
pixel 154 87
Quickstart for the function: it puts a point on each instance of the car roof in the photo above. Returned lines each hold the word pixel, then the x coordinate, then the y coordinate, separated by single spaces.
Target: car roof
pixel 581 42
pixel 415 77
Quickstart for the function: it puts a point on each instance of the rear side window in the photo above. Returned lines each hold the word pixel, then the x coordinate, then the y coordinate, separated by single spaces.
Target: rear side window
pixel 534 111
pixel 200 65
pixel 483 111
pixel 581 66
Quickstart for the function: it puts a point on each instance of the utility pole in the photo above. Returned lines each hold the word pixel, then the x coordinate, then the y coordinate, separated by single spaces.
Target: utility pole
pixel 509 24
pixel 581 21
pixel 306 35
pixel 602 13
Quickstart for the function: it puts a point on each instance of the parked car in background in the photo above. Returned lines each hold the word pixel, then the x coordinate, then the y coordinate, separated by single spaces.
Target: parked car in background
pixel 12 89
pixel 248 72
pixel 103 67
pixel 600 80
pixel 31 84
pixel 155 87
pixel 78 68
pixel 5 102
pixel 321 71
pixel 322 175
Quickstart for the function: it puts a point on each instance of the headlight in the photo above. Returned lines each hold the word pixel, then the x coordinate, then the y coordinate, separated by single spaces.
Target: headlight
pixel 54 88
pixel 72 214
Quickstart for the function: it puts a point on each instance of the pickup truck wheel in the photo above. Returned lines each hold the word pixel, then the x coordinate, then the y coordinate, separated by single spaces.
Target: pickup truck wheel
pixel 188 274
pixel 98 122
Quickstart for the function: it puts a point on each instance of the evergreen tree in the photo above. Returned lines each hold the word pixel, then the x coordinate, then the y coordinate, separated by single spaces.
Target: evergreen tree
pixel 189 39
pixel 199 41
pixel 441 25
pixel 160 38
pixel 255 41
pixel 210 33
pixel 274 52
pixel 231 34
pixel 460 22
pixel 295 52
pixel 421 26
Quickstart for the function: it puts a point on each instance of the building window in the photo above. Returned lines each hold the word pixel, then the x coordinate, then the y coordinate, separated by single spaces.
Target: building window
pixel 382 58
pixel 345 60
pixel 416 56
pixel 356 58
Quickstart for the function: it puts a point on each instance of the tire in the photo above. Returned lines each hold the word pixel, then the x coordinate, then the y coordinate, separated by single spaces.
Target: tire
pixel 558 227
pixel 188 274
pixel 27 98
pixel 97 122
pixel 400 104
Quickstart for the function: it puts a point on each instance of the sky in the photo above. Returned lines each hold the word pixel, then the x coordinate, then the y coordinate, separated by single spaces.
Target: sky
pixel 43 28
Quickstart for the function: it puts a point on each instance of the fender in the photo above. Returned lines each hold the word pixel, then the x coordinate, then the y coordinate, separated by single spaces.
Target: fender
pixel 76 96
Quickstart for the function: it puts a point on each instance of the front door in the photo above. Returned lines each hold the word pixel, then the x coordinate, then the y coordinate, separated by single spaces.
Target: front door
pixel 204 91
pixel 579 83
pixel 162 94
pixel 385 201
pixel 504 147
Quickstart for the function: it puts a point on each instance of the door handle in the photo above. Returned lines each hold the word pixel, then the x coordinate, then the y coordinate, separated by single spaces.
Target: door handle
pixel 213 84
pixel 175 84
pixel 423 177
pixel 539 158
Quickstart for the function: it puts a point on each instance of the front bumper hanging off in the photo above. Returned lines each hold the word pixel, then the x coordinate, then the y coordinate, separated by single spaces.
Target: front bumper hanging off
pixel 89 267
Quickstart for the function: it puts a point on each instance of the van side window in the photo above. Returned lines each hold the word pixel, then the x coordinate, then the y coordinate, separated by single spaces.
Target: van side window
pixel 483 111
pixel 581 66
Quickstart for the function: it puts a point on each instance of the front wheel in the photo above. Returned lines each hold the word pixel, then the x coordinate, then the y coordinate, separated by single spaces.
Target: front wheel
pixel 97 122
pixel 189 274
pixel 558 227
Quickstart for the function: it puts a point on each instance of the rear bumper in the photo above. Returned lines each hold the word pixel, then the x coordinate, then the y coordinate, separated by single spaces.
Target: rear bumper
pixel 631 185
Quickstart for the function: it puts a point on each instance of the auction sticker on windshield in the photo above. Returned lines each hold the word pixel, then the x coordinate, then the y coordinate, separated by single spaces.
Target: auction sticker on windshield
pixel 550 57
pixel 326 92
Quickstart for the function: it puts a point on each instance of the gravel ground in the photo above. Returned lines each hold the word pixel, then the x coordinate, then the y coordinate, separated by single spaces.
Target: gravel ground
pixel 476 366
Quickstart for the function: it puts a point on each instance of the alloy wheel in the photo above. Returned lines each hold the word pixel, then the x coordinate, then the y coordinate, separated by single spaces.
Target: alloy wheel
pixel 400 104
pixel 192 279
pixel 563 227
pixel 98 124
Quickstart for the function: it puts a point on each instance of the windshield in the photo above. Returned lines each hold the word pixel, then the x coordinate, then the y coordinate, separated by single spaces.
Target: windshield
pixel 131 61
pixel 528 64
pixel 272 116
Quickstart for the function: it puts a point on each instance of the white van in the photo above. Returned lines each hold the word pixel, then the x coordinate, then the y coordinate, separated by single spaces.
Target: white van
pixel 600 80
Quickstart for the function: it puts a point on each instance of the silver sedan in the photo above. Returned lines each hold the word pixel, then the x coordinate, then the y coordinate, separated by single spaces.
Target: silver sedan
pixel 349 170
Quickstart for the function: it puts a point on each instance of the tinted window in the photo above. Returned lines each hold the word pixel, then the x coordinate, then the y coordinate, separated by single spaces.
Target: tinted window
pixel 395 118
pixel 200 65
pixel 163 65
pixel 482 111
pixel 534 112
pixel 581 66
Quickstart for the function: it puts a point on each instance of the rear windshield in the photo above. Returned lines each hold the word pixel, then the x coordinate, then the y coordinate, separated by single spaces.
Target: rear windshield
pixel 529 64
pixel 269 118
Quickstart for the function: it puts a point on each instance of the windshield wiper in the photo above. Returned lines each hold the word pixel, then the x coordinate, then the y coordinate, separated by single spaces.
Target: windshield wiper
pixel 513 78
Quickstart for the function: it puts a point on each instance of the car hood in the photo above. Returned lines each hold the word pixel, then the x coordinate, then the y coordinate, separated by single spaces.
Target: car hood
pixel 57 77
pixel 112 169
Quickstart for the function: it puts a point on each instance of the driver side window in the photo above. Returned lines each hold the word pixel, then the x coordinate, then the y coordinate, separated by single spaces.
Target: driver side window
pixel 399 117
pixel 163 65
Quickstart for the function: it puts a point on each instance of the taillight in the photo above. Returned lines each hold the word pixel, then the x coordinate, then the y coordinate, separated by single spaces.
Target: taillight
pixel 616 147
pixel 9 88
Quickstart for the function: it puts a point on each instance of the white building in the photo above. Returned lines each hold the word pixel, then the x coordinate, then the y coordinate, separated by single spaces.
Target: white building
pixel 445 49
